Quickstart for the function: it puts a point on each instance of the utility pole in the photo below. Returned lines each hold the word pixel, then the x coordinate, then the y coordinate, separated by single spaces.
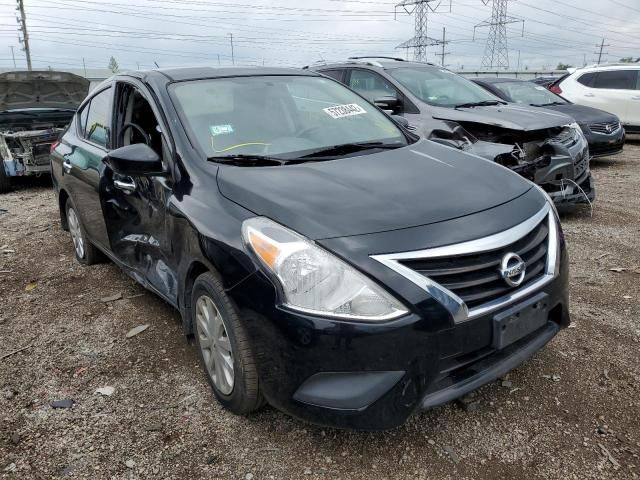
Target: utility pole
pixel 420 40
pixel 84 68
pixel 25 35
pixel 518 69
pixel 600 53
pixel 13 55
pixel 496 53
pixel 444 43
pixel 233 60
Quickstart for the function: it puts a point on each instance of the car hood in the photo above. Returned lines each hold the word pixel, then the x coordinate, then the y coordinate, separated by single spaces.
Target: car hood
pixel 47 89
pixel 420 184
pixel 511 116
pixel 583 114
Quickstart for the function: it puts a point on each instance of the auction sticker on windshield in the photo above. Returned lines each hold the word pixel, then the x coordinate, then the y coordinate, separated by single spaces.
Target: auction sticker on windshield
pixel 348 110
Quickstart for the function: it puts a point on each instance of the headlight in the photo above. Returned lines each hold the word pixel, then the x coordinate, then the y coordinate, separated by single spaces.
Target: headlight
pixel 313 280
pixel 577 131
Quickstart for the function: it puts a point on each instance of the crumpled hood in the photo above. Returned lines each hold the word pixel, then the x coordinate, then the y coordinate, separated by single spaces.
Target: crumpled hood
pixel 420 184
pixel 511 116
pixel 46 89
pixel 583 114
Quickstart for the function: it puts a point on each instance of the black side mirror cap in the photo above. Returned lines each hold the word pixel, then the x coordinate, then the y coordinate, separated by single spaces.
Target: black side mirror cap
pixel 387 103
pixel 137 159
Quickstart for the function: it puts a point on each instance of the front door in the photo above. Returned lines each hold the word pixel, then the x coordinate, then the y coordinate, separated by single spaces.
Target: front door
pixel 135 207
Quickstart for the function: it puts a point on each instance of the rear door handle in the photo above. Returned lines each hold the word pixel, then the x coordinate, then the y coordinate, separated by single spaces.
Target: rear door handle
pixel 128 186
pixel 67 165
pixel 635 98
pixel 589 95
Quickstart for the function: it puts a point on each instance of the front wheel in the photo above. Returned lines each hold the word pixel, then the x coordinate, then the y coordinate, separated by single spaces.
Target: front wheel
pixel 223 347
pixel 85 252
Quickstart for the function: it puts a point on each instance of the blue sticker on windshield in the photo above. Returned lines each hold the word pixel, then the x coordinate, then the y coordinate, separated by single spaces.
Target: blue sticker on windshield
pixel 220 129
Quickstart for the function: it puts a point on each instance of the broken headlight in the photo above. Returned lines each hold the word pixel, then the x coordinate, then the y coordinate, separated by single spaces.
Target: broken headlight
pixel 313 280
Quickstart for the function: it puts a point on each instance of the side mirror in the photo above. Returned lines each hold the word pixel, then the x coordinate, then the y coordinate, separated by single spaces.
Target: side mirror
pixel 401 120
pixel 137 159
pixel 387 103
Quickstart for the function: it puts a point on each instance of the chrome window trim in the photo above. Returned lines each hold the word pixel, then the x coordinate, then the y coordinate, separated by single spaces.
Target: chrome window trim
pixel 452 302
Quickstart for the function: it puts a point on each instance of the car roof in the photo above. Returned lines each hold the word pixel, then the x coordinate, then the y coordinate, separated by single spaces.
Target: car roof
pixel 496 79
pixel 195 73
pixel 605 67
pixel 372 62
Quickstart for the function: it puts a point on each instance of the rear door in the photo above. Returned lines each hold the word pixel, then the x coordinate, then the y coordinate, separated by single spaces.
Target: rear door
pixel 82 150
pixel 612 91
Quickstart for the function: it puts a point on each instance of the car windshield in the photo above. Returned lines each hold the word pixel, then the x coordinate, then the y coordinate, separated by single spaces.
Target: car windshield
pixel 437 86
pixel 279 116
pixel 528 93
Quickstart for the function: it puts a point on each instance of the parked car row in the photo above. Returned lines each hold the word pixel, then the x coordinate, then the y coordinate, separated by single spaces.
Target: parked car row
pixel 345 265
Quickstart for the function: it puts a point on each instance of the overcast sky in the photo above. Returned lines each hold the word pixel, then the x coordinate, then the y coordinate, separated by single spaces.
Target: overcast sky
pixel 293 32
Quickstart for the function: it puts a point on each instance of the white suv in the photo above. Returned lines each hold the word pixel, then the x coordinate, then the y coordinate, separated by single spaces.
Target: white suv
pixel 613 88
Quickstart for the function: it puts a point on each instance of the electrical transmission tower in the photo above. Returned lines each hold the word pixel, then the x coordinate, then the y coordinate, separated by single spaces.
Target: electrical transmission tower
pixel 420 41
pixel 22 21
pixel 496 52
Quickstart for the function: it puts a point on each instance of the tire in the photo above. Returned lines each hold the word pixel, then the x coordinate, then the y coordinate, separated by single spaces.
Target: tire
pixel 5 181
pixel 83 249
pixel 244 396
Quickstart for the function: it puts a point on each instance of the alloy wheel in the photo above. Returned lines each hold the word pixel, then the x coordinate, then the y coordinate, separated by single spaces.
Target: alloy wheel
pixel 215 344
pixel 76 232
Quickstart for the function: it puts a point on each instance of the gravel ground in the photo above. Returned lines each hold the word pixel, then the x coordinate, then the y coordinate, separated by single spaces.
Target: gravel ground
pixel 571 412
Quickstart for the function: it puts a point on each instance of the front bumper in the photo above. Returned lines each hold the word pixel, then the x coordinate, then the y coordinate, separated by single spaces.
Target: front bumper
pixel 374 376
pixel 601 145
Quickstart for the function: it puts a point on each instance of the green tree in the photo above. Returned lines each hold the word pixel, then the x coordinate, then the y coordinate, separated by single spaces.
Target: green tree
pixel 627 60
pixel 113 65
pixel 563 66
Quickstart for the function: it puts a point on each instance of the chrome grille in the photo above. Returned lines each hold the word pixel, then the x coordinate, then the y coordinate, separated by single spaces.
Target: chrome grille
pixel 475 278
pixel 465 277
pixel 604 127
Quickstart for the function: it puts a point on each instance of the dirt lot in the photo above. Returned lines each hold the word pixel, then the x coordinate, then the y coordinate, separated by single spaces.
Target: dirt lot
pixel 572 412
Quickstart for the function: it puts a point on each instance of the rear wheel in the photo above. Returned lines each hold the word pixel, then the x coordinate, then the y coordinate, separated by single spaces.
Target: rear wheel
pixel 85 252
pixel 5 181
pixel 223 347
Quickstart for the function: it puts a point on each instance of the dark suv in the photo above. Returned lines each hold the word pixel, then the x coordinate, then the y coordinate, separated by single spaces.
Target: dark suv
pixel 327 261
pixel 544 146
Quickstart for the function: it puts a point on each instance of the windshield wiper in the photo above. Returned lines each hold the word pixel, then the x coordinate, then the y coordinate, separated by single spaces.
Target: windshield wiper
pixel 484 103
pixel 246 160
pixel 348 148
pixel 546 104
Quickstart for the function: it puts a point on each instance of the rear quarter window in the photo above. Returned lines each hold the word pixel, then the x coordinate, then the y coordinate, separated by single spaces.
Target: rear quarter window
pixel 586 79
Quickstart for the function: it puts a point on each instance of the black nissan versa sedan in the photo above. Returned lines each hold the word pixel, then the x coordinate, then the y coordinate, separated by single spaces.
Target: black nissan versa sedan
pixel 603 130
pixel 327 261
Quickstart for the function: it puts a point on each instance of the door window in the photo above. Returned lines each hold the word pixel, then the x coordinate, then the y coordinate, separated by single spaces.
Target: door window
pixel 335 74
pixel 586 79
pixel 371 85
pixel 98 117
pixel 137 123
pixel 616 79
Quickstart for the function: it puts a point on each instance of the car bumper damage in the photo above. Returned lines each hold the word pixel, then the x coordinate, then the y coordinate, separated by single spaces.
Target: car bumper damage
pixel 557 159
pixel 27 152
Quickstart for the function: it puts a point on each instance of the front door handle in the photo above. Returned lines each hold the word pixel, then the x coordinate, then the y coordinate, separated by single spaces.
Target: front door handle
pixel 635 98
pixel 67 165
pixel 127 186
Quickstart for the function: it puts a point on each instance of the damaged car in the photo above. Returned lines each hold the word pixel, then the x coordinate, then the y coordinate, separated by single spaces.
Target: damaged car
pixel 543 146
pixel 35 108
pixel 327 261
